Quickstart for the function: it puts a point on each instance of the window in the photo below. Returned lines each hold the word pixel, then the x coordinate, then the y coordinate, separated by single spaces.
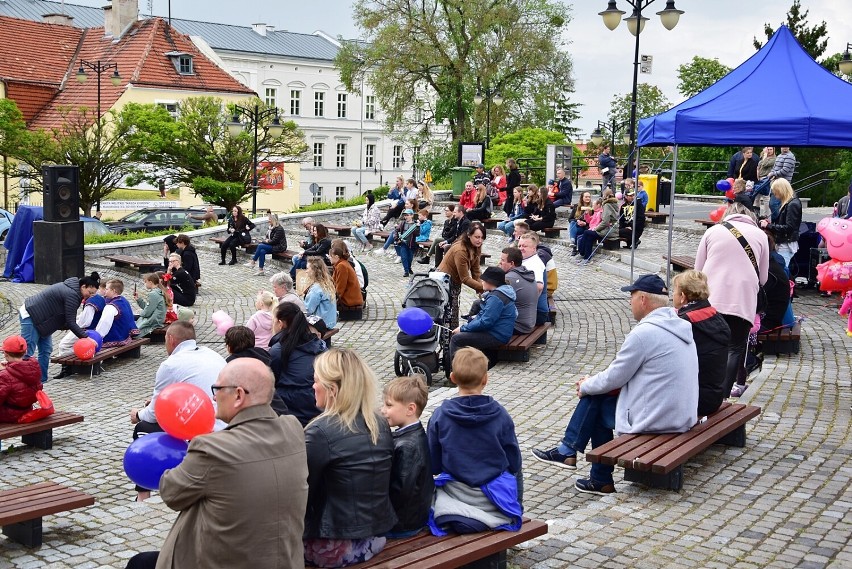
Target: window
pixel 318 149
pixel 319 104
pixel 397 157
pixel 341 105
pixel 271 93
pixel 295 100
pixel 418 113
pixel 318 195
pixel 341 155
pixel 370 107
pixel 171 107
pixel 370 156
pixel 339 193
pixel 185 65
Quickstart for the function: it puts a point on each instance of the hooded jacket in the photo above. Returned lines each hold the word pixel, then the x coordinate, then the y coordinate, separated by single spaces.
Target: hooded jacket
pixel 497 315
pixel 261 324
pixel 19 382
pixel 472 438
pixel 609 218
pixel 294 379
pixel 55 308
pixel 657 371
pixel 712 337
pixel 522 280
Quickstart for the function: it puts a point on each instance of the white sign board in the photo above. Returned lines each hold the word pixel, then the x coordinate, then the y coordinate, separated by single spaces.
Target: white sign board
pixel 132 205
pixel 646 63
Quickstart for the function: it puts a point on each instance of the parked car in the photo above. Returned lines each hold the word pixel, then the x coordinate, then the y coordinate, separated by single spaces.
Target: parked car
pixel 93 226
pixel 220 211
pixel 155 219
pixel 6 218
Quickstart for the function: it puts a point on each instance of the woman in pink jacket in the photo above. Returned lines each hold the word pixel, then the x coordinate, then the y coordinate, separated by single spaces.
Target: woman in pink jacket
pixel 733 278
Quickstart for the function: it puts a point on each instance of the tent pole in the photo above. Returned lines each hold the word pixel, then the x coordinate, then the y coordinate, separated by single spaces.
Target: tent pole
pixel 671 220
pixel 633 236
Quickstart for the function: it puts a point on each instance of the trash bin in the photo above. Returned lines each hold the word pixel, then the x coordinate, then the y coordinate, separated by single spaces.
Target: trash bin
pixel 649 183
pixel 461 176
pixel 664 188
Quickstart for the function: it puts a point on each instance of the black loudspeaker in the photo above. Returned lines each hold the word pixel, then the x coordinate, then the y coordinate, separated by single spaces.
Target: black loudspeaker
pixel 58 251
pixel 61 193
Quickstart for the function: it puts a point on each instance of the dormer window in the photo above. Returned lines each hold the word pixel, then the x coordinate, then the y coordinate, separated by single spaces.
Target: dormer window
pixel 182 62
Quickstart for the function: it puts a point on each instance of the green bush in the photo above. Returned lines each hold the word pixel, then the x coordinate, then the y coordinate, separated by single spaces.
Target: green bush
pixel 360 200
pixel 115 237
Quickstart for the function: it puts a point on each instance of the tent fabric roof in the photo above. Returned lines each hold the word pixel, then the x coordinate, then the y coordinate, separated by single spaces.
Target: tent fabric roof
pixel 779 96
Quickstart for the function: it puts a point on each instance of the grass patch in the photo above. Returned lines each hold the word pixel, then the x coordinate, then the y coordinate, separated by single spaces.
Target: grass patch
pixel 115 237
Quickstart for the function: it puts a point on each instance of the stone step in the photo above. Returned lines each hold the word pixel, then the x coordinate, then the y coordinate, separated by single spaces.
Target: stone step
pixel 643 264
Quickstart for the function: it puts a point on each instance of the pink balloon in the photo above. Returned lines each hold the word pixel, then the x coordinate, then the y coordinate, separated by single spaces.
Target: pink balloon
pixel 224 325
pixel 837 233
pixel 219 316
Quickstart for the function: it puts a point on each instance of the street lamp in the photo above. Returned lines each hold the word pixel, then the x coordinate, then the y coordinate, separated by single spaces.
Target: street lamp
pixel 612 127
pixel 255 115
pixel 846 62
pixel 635 24
pixel 99 68
pixel 415 153
pixel 377 169
pixel 488 96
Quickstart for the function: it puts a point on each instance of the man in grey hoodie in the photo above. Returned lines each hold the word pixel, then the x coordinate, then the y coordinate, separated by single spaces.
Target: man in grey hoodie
pixel 522 280
pixel 656 370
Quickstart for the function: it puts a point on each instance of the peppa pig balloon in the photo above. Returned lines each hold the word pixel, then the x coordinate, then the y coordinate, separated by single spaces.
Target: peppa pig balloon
pixel 837 233
pixel 835 275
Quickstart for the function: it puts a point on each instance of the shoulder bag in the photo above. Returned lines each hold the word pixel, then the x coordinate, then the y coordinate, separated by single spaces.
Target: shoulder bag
pixel 762 302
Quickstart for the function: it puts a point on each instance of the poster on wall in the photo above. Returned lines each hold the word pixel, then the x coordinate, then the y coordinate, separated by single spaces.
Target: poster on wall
pixel 471 154
pixel 272 176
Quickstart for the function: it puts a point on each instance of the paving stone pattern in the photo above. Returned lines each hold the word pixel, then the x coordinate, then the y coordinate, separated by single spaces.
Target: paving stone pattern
pixel 783 501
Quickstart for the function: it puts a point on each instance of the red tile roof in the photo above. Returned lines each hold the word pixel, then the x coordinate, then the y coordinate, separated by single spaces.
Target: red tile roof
pixel 35 52
pixel 30 98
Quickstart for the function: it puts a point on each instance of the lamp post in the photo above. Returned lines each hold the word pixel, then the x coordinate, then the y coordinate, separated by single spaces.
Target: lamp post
pixel 488 95
pixel 255 115
pixel 636 23
pixel 845 64
pixel 612 127
pixel 415 152
pixel 377 169
pixel 99 68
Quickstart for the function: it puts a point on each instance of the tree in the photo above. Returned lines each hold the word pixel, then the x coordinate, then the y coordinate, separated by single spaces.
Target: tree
pixel 700 73
pixel 524 143
pixel 12 127
pixel 451 48
pixel 650 101
pixel 814 39
pixel 197 145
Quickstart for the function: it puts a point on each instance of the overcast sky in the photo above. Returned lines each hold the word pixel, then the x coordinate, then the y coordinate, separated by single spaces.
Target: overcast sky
pixel 603 60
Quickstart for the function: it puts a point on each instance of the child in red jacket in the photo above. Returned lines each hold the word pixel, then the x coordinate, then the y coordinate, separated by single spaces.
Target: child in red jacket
pixel 20 379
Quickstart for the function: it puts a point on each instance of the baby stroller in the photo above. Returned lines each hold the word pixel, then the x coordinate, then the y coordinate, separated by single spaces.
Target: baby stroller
pixel 424 354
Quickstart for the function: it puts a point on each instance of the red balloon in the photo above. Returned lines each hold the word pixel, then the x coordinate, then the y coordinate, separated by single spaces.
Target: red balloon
pixel 835 275
pixel 185 411
pixel 717 214
pixel 85 348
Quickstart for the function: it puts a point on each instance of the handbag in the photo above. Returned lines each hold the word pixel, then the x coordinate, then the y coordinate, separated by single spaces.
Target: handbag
pixel 45 409
pixel 762 302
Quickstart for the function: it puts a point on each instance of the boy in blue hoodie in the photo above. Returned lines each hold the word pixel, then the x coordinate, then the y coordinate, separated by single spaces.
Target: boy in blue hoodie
pixel 494 324
pixel 475 455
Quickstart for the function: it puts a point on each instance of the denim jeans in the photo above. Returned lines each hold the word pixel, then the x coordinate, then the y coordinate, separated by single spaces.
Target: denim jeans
pixel 299 262
pixel 44 343
pixel 580 426
pixel 389 241
pixel 405 253
pixel 601 425
pixel 507 227
pixel 586 242
pixel 261 252
pixel 572 231
pixel 360 234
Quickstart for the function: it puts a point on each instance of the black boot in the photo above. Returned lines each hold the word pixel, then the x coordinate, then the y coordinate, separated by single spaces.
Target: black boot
pixel 424 260
pixel 64 372
pixel 224 251
pixel 233 257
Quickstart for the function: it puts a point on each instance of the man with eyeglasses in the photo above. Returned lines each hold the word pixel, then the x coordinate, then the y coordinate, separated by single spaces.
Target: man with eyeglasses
pixel 187 363
pixel 241 492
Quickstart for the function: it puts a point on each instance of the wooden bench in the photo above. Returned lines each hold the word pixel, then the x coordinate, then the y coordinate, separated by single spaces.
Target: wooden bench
pixel 341 230
pixel 656 217
pixel 681 262
pixel 285 256
pixel 491 222
pixel 553 231
pixel 39 434
pixel 248 247
pixel 132 349
pixel 383 235
pixel 657 460
pixel 705 222
pixel 158 335
pixel 517 349
pixel 474 551
pixel 22 509
pixel 614 244
pixel 327 336
pixel 781 341
pixel 139 263
pixel 350 313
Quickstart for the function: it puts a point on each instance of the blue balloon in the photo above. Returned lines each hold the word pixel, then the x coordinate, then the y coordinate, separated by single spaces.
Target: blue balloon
pixel 99 340
pixel 723 185
pixel 149 456
pixel 414 321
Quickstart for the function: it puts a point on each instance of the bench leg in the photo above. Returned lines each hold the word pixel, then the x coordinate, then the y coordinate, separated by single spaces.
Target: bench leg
pixel 542 340
pixel 27 533
pixel 513 356
pixel 736 438
pixel 671 481
pixel 41 439
pixel 135 353
pixel 94 369
pixel 495 561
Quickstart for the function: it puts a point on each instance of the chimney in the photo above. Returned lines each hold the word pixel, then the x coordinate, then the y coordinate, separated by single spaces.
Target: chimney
pixel 259 29
pixel 119 16
pixel 61 19
pixel 270 29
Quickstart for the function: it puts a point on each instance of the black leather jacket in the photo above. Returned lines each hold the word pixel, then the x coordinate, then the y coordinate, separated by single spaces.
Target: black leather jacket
pixel 348 480
pixel 786 229
pixel 411 485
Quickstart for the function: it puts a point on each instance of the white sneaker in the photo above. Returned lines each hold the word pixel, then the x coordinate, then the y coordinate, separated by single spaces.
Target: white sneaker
pixel 260 273
pixel 398 260
pixel 249 264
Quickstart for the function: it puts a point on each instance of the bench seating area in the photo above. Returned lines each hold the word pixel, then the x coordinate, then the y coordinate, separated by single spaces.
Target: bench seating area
pixel 472 551
pixel 341 230
pixel 553 231
pixel 158 335
pixel 139 263
pixel 39 434
pixel 657 460
pixel 491 222
pixel 518 347
pixel 22 509
pixel 327 336
pixel 286 256
pixel 247 247
pixel 681 262
pixel 381 236
pixel 132 349
pixel 656 217
pixel 705 222
pixel 781 341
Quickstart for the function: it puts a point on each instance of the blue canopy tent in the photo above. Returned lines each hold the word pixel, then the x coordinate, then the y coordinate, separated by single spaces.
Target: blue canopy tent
pixel 780 96
pixel 19 244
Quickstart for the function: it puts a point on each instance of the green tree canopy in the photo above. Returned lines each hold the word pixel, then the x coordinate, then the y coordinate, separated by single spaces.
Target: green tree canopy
pixel 12 128
pixel 698 74
pixel 452 48
pixel 521 144
pixel 814 39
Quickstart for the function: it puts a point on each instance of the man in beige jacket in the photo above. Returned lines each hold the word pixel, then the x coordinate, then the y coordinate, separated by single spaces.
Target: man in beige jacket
pixel 241 492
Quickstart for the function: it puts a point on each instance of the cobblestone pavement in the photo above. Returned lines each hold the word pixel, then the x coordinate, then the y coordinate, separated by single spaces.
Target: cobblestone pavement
pixel 782 501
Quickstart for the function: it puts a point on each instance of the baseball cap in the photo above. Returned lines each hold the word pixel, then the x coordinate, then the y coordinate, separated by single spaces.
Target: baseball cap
pixel 318 324
pixel 630 192
pixel 494 275
pixel 15 345
pixel 480 165
pixel 651 284
pixel 408 211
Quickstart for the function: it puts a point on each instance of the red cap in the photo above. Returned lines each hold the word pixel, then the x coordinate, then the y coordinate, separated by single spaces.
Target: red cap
pixel 15 345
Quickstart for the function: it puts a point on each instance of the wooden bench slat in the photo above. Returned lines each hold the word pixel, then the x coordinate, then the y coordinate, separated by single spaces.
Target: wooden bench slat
pixel 37 500
pixel 104 354
pixel 58 419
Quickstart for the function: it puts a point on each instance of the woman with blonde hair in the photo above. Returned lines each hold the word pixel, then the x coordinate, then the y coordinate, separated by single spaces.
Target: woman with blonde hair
pixel 482 206
pixel 275 242
pixel 499 181
pixel 350 452
pixel 785 229
pixel 320 293
pixel 424 195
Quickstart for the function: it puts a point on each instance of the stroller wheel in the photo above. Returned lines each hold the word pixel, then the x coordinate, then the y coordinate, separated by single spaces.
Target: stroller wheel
pixel 397 365
pixel 417 368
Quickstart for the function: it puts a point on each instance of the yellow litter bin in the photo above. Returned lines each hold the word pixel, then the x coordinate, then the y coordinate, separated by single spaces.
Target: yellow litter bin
pixel 649 183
